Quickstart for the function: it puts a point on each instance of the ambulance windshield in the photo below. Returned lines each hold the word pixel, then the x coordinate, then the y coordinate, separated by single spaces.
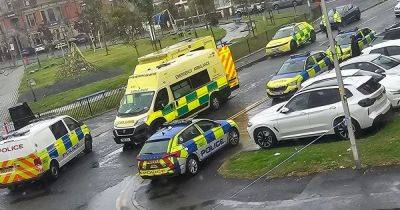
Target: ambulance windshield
pixel 135 103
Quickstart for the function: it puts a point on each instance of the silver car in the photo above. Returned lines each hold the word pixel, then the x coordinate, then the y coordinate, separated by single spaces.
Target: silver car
pixel 278 4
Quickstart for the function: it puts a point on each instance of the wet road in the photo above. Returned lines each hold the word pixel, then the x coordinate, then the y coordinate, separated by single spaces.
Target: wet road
pixel 94 181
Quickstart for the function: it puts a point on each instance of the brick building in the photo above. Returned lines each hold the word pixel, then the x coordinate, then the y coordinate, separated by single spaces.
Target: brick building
pixel 21 20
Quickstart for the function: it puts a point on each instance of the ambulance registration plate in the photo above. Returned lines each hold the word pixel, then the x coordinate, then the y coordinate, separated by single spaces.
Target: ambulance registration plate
pixel 125 140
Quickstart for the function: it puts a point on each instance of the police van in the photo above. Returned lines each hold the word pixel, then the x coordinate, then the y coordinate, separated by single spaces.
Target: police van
pixel 41 148
pixel 174 51
pixel 178 89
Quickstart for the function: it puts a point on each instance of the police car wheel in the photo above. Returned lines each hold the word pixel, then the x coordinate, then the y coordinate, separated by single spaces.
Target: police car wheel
pixel 215 102
pixel 192 166
pixel 233 137
pixel 88 144
pixel 265 138
pixel 54 170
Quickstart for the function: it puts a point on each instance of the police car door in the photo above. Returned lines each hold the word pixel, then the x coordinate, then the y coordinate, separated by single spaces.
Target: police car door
pixel 58 148
pixel 213 135
pixel 77 145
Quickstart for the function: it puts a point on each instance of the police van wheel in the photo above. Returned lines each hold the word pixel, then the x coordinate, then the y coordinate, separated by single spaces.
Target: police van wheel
pixel 215 102
pixel 313 36
pixel 276 7
pixel 88 144
pixel 192 166
pixel 233 137
pixel 54 170
pixel 293 46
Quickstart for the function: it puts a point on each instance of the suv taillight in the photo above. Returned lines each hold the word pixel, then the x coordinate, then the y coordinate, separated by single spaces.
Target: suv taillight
pixel 366 102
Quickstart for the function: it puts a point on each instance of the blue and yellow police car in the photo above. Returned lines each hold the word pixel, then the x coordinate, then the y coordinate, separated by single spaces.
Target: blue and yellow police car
pixel 179 147
pixel 294 71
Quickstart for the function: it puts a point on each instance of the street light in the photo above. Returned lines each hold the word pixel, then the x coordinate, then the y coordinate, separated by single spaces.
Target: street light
pixel 341 87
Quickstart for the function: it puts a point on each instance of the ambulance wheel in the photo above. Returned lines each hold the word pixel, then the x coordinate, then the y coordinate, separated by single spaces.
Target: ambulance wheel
pixel 233 137
pixel 215 102
pixel 88 144
pixel 313 36
pixel 54 170
pixel 293 46
pixel 192 166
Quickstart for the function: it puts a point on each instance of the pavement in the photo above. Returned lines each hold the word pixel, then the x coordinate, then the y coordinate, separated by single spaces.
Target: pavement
pixel 96 180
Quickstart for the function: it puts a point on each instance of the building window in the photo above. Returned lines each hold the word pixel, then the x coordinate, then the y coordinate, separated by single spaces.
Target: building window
pixel 52 16
pixel 31 20
pixel 44 17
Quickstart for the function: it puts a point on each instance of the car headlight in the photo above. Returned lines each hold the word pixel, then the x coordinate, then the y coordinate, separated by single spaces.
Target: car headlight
pixel 141 121
pixel 249 124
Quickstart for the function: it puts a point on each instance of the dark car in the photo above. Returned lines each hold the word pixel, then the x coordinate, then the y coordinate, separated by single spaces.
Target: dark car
pixel 279 4
pixel 28 51
pixel 349 13
pixel 79 39
pixel 393 32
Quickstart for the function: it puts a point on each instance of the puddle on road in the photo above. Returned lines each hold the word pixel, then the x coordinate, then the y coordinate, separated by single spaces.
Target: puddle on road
pixel 109 160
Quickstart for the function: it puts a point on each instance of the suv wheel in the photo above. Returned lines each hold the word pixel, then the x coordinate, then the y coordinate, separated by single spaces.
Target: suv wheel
pixel 341 128
pixel 265 138
pixel 192 166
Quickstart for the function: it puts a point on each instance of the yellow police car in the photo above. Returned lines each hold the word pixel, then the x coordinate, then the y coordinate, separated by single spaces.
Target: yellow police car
pixel 178 147
pixel 294 71
pixel 365 36
pixel 289 37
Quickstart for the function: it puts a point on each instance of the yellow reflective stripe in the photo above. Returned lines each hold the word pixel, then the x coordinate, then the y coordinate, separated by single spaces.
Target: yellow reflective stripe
pixel 74 138
pixel 202 91
pixel 59 145
pixel 193 105
pixel 200 141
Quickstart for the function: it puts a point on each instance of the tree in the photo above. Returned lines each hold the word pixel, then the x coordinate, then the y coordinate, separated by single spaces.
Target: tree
pixel 126 24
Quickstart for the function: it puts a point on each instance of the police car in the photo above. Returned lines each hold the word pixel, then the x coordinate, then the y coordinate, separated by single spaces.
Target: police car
pixel 294 71
pixel 289 37
pixel 179 147
pixel 365 37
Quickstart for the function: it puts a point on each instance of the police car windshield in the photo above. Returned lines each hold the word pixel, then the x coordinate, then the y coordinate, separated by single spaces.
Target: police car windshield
pixel 386 62
pixel 135 103
pixel 292 66
pixel 155 147
pixel 284 32
pixel 343 39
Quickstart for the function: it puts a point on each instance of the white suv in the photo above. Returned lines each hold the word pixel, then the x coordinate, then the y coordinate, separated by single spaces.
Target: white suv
pixel 390 82
pixel 317 109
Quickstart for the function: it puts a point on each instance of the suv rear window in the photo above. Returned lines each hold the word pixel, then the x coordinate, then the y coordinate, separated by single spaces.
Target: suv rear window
pixel 369 87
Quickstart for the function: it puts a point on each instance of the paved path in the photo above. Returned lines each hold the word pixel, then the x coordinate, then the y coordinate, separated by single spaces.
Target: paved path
pixel 234 31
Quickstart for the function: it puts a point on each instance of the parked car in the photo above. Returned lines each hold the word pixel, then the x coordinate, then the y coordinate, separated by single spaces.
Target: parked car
pixel 317 110
pixel 397 9
pixel 28 51
pixel 377 63
pixel 60 45
pixel 392 32
pixel 279 4
pixel 40 48
pixel 389 48
pixel 294 71
pixel 79 39
pixel 391 82
pixel 349 13
pixel 365 37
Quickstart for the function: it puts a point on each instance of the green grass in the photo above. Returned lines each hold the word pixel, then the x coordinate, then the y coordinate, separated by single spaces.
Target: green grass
pixel 121 57
pixel 379 149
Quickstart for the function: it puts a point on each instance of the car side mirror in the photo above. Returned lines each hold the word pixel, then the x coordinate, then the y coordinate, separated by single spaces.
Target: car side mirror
pixel 284 110
pixel 379 71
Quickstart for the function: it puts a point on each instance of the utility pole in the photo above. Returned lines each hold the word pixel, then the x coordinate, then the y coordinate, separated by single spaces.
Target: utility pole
pixel 310 10
pixel 341 87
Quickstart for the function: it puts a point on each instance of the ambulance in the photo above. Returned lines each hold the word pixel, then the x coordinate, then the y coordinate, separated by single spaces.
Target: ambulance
pixel 167 54
pixel 177 89
pixel 41 148
pixel 174 51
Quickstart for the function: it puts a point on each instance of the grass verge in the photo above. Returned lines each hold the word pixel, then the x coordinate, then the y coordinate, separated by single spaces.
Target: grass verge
pixel 378 149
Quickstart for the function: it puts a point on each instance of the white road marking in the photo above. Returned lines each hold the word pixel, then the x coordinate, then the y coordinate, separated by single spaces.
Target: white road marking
pixel 373 18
